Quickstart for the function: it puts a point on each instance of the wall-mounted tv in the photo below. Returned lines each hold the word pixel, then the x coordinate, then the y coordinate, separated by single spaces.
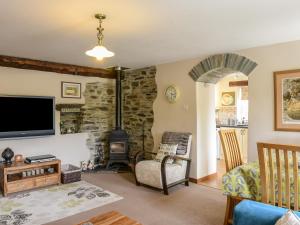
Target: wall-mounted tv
pixel 24 116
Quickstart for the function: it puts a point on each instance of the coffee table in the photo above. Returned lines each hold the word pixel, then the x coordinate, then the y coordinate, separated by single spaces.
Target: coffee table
pixel 110 218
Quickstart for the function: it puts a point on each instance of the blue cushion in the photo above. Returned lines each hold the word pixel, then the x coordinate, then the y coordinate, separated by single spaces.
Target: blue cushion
pixel 255 213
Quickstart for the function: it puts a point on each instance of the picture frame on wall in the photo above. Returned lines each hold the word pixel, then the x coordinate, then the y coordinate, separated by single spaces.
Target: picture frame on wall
pixel 228 98
pixel 70 90
pixel 287 100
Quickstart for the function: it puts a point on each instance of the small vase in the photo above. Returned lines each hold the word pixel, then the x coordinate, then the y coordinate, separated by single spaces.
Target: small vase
pixel 18 158
pixel 7 155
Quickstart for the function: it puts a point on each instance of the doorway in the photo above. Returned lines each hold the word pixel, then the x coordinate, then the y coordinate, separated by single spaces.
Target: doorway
pixel 209 72
pixel 231 110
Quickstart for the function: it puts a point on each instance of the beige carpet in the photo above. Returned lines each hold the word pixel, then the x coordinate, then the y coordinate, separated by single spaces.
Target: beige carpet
pixel 183 206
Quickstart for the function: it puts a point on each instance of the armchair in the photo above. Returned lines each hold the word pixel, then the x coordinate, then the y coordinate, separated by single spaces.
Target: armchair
pixel 162 175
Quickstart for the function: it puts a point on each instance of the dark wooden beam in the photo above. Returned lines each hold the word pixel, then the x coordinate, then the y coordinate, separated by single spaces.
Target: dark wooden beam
pixel 33 64
pixel 239 83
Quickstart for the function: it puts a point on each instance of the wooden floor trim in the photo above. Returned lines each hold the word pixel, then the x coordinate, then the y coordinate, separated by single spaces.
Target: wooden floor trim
pixel 197 181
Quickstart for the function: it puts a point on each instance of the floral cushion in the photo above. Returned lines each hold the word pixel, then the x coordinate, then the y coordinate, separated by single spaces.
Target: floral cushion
pixel 290 218
pixel 164 150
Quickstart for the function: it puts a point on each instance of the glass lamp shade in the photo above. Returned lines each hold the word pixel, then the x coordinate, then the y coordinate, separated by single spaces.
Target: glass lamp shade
pixel 99 52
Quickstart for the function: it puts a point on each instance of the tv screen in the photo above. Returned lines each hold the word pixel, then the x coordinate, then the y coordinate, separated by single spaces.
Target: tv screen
pixel 22 116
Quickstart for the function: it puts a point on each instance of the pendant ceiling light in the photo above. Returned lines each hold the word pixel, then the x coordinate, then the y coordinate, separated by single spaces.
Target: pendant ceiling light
pixel 99 51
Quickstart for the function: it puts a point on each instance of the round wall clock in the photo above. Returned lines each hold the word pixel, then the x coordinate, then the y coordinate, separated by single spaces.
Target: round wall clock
pixel 172 94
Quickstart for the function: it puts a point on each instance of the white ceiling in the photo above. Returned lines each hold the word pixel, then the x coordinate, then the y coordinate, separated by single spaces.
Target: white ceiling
pixel 143 32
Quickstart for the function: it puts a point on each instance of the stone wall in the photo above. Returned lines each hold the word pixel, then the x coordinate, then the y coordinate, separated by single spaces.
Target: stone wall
pixel 97 115
pixel 98 118
pixel 139 93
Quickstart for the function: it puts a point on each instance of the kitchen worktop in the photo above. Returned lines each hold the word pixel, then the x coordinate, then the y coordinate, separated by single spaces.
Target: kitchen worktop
pixel 232 126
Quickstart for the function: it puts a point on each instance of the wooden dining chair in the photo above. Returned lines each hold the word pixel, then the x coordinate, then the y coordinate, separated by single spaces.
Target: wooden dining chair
pixel 278 168
pixel 231 149
pixel 233 158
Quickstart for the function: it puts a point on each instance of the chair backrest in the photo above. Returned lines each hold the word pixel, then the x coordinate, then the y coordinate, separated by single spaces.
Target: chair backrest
pixel 183 139
pixel 231 149
pixel 276 163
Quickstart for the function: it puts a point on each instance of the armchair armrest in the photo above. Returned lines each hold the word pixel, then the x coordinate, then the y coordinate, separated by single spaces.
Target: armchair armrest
pixel 163 170
pixel 180 157
pixel 164 161
pixel 152 153
pixel 140 155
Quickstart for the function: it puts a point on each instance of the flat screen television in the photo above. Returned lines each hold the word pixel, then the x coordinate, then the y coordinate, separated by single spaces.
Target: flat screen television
pixel 24 116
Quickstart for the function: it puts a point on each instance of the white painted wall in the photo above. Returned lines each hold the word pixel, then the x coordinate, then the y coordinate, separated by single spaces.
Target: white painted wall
pixel 182 115
pixel 272 58
pixel 206 129
pixel 69 148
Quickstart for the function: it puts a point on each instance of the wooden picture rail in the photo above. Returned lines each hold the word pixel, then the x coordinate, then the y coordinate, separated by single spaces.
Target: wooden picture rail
pixel 239 83
pixel 32 64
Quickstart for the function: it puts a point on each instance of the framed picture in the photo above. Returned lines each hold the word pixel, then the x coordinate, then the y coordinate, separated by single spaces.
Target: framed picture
pixel 70 90
pixel 287 100
pixel 228 98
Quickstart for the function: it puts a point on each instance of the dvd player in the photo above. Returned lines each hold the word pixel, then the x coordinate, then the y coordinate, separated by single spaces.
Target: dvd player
pixel 39 158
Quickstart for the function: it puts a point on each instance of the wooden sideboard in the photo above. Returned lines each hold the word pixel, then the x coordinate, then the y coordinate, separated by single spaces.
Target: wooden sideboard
pixel 12 179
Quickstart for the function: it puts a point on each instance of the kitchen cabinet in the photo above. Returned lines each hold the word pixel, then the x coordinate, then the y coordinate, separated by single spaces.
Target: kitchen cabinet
pixel 242 136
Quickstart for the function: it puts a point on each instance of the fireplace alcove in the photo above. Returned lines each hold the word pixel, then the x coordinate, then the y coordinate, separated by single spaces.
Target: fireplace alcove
pixel 98 114
pixel 118 139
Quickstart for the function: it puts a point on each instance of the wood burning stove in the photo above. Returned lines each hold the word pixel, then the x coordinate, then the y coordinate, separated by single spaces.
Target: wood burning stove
pixel 118 139
pixel 117 147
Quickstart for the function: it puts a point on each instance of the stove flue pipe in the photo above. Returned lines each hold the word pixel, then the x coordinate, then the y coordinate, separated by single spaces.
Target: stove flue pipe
pixel 119 73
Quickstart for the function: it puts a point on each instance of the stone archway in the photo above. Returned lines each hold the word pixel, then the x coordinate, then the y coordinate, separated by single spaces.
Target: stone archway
pixel 209 71
pixel 214 68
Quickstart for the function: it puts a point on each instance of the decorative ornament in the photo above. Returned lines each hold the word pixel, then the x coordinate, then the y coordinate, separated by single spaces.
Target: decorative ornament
pixel 18 158
pixel 7 155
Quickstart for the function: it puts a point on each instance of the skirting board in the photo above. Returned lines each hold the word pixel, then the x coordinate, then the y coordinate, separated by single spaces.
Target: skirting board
pixel 197 181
